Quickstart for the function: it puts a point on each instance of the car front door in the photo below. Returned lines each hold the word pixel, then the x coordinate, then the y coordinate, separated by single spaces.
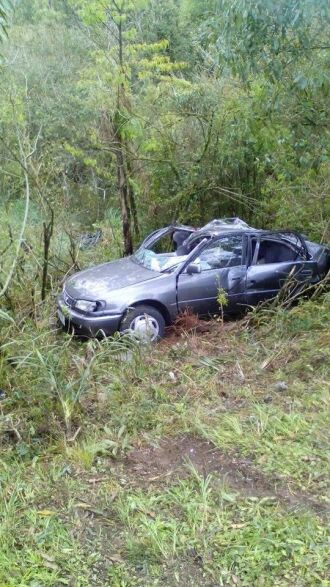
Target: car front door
pixel 222 269
pixel 275 259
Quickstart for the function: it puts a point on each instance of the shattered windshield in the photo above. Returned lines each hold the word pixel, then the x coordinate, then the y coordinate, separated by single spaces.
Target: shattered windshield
pixel 161 262
pixel 165 253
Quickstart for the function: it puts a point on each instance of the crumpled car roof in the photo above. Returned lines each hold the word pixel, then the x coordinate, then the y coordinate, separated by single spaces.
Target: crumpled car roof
pixel 224 224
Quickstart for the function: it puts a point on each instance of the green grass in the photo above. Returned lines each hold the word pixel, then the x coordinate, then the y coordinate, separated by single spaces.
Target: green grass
pixel 35 542
pixel 203 524
pixel 93 487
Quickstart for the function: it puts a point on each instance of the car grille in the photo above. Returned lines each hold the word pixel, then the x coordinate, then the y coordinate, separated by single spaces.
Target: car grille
pixel 68 299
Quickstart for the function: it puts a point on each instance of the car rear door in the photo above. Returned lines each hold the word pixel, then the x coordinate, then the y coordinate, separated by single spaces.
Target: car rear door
pixel 222 268
pixel 274 259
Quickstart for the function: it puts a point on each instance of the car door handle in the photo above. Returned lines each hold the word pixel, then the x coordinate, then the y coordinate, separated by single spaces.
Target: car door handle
pixel 236 278
pixel 252 282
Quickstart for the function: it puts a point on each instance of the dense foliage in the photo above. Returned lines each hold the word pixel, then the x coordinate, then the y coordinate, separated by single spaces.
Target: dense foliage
pixel 167 110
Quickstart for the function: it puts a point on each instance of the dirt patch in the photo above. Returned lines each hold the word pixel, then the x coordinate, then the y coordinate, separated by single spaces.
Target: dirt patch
pixel 185 324
pixel 188 324
pixel 171 458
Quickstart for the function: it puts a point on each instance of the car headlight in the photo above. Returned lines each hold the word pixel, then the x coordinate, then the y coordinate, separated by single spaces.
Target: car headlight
pixel 86 306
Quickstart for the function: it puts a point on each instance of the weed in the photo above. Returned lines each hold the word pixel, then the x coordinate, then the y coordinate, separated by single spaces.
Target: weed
pixel 222 299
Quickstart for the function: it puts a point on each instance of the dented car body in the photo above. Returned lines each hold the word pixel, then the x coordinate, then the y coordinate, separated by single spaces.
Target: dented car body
pixel 179 267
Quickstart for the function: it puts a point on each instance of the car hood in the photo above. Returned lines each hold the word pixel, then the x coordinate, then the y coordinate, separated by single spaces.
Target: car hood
pixel 96 283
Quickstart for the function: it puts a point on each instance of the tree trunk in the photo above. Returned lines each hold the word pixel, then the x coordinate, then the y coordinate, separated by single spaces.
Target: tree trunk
pixel 132 202
pixel 134 214
pixel 124 194
pixel 122 176
pixel 48 233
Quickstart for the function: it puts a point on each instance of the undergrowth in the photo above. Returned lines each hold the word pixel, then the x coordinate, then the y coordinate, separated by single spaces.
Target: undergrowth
pixel 77 509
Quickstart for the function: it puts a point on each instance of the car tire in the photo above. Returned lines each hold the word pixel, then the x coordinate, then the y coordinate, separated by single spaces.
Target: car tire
pixel 145 322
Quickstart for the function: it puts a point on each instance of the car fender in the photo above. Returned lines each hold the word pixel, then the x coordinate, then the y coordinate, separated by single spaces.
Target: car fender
pixel 160 293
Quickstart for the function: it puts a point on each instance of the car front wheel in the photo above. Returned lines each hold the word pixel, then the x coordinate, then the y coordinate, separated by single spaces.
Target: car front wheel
pixel 145 322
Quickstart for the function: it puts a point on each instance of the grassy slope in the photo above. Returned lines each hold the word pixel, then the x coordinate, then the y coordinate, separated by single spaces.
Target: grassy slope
pixel 187 464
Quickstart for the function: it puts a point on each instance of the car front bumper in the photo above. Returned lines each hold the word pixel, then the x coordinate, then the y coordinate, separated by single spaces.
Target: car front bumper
pixel 85 324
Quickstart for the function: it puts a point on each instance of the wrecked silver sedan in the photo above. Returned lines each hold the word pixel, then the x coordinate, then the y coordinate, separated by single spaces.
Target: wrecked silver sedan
pixel 181 268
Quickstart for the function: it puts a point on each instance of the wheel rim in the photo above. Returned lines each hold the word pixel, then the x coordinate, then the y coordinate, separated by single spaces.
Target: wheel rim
pixel 145 327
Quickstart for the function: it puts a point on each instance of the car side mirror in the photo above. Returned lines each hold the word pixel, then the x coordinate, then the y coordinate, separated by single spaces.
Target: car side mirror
pixel 193 268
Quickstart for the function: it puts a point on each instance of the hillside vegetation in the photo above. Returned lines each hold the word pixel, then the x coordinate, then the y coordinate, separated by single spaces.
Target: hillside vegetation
pixel 202 460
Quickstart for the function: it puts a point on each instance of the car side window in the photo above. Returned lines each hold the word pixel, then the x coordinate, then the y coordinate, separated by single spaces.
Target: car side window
pixel 274 251
pixel 225 252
